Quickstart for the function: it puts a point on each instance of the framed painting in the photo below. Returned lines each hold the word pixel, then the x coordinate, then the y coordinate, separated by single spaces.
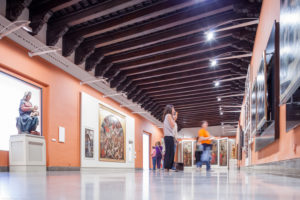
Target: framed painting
pixel 254 108
pixel 261 93
pixel 89 143
pixel 289 48
pixel 214 153
pixel 112 135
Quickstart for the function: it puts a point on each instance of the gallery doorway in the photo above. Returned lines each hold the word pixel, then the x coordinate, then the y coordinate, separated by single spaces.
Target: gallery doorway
pixel 146 153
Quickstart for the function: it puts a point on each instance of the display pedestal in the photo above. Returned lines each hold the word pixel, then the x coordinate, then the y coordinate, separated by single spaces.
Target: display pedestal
pixel 27 153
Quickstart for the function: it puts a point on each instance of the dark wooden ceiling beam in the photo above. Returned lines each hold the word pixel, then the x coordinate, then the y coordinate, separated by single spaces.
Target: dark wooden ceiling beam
pixel 198 92
pixel 194 97
pixel 205 9
pixel 153 10
pixel 200 50
pixel 57 27
pixel 41 11
pixel 157 49
pixel 170 84
pixel 192 83
pixel 175 76
pixel 151 39
pixel 131 85
pixel 15 8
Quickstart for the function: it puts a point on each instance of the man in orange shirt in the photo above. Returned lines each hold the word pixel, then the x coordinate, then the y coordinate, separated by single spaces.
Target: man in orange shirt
pixel 205 139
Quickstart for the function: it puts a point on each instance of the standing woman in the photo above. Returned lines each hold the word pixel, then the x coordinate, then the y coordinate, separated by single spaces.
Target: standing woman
pixel 169 125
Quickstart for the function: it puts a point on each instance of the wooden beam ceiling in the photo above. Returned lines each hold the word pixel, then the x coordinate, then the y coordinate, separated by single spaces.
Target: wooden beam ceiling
pixel 155 51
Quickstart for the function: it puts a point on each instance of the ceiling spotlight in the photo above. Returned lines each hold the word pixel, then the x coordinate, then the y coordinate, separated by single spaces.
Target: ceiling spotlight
pixel 210 35
pixel 219 98
pixel 217 83
pixel 220 108
pixel 221 113
pixel 213 63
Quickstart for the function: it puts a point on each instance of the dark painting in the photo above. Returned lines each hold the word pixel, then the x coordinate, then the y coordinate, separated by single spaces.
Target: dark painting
pixel 253 108
pixel 289 48
pixel 261 95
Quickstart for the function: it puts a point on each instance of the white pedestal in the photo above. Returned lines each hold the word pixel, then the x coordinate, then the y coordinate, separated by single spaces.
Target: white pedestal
pixel 27 153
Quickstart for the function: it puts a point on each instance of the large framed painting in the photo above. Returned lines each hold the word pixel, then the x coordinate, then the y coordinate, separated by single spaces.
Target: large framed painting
pixel 261 93
pixel 253 108
pixel 289 48
pixel 112 136
pixel 89 143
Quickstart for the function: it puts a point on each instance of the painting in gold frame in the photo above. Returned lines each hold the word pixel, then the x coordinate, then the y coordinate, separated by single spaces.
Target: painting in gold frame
pixel 112 135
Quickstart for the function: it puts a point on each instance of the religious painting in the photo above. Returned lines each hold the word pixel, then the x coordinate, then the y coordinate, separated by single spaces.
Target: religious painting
pixel 214 152
pixel 112 138
pixel 223 148
pixel 89 143
pixel 253 108
pixel 289 48
pixel 261 94
pixel 187 153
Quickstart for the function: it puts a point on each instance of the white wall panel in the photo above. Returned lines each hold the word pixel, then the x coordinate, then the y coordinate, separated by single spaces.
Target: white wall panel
pixel 90 119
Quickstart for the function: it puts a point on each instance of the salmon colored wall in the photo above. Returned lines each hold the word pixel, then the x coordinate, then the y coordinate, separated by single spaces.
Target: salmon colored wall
pixel 3 158
pixel 288 145
pixel 61 104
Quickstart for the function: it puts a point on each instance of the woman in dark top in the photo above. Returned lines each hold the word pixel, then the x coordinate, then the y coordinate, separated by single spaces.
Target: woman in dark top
pixel 169 125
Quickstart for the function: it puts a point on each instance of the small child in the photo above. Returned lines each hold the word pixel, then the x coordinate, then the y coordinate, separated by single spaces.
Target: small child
pixel 153 155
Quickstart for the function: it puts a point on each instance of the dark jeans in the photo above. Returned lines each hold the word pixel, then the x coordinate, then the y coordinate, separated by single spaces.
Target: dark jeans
pixel 198 155
pixel 206 147
pixel 169 156
pixel 158 162
pixel 154 162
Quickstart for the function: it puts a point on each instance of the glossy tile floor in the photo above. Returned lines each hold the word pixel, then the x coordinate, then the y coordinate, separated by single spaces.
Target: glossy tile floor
pixel 129 184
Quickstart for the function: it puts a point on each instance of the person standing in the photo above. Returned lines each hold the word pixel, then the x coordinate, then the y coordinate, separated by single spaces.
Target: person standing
pixel 153 155
pixel 198 153
pixel 169 125
pixel 205 138
pixel 159 155
pixel 175 130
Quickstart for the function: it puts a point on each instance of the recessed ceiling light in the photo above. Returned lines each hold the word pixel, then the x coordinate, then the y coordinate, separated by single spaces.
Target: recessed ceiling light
pixel 213 63
pixel 210 35
pixel 221 113
pixel 217 83
pixel 219 98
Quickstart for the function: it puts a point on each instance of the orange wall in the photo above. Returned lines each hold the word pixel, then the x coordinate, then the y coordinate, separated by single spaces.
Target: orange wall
pixel 61 105
pixel 3 158
pixel 288 145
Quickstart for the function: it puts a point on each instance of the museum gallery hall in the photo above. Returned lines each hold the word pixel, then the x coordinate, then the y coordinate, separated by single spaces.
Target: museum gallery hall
pixel 149 99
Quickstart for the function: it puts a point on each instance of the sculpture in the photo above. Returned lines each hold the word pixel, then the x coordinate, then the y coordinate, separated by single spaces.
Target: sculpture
pixel 28 120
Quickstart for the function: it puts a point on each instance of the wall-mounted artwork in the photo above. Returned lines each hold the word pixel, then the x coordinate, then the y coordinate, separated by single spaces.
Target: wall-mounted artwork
pixel 112 135
pixel 89 143
pixel 261 94
pixel 223 152
pixel 289 48
pixel 214 153
pixel 187 153
pixel 253 108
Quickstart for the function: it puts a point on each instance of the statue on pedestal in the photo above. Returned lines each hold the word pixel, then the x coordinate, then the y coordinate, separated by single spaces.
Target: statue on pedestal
pixel 28 120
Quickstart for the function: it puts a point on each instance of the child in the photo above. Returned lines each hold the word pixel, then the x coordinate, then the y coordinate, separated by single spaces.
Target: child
pixel 153 155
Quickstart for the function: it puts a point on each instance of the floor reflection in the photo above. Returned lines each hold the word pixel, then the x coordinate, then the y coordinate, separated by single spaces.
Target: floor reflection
pixel 138 184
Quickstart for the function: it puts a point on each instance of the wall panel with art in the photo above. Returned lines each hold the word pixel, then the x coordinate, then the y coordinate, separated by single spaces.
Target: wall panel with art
pixel 266 114
pixel 290 61
pixel 107 135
